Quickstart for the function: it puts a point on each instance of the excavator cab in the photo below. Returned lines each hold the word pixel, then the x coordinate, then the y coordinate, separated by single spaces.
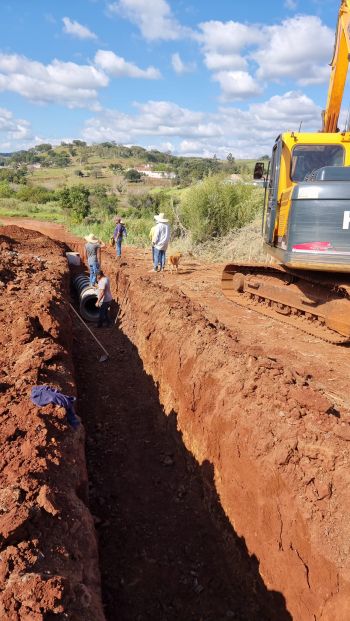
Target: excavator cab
pixel 306 202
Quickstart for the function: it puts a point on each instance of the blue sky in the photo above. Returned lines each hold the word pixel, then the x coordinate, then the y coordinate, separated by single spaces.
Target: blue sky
pixel 193 77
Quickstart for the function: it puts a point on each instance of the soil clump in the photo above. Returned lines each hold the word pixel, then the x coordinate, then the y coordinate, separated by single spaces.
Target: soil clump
pixel 49 567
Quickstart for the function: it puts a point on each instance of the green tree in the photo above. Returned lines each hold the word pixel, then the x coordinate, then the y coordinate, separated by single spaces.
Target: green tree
pixel 14 175
pixel 115 167
pixel 75 202
pixel 132 175
pixel 41 148
pixel 61 159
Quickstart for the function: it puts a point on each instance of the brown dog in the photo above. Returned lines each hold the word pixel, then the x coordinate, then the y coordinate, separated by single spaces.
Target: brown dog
pixel 173 261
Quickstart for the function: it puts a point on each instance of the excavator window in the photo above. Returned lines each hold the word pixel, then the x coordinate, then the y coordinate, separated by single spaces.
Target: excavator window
pixel 308 158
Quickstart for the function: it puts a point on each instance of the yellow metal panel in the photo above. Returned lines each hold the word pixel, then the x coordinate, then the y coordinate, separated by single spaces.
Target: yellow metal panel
pixel 284 190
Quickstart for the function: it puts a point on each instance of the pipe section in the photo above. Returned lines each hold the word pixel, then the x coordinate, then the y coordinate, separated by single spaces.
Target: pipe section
pixel 87 297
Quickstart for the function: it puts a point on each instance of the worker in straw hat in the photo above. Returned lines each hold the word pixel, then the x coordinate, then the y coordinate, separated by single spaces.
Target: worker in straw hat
pixel 160 241
pixel 93 256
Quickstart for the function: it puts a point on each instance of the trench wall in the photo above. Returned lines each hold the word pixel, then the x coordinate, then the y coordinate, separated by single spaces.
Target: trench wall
pixel 48 550
pixel 279 450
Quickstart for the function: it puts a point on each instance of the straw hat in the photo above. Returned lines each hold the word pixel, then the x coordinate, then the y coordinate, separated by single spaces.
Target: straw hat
pixel 91 239
pixel 160 217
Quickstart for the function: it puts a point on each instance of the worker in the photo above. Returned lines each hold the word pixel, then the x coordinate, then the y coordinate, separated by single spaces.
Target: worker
pixel 151 233
pixel 160 241
pixel 104 299
pixel 93 256
pixel 119 234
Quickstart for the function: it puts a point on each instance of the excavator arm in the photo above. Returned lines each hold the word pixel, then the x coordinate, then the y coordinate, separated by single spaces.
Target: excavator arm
pixel 339 64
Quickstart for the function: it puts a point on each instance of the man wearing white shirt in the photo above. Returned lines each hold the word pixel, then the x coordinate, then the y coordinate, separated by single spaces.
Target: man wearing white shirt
pixel 160 241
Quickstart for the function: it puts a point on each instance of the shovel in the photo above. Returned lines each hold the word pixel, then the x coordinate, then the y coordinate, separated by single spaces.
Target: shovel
pixel 106 354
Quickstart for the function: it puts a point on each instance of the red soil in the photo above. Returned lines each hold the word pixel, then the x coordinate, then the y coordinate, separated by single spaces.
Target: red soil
pixel 261 406
pixel 48 548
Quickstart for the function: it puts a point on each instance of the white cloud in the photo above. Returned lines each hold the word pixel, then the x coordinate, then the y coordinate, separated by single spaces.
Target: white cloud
pixel 12 130
pixel 286 111
pixel 218 62
pixel 290 4
pixel 237 85
pixel 65 83
pixel 179 66
pixel 224 46
pixel 118 67
pixel 203 134
pixel 299 48
pixel 75 29
pixel 153 118
pixel 154 19
pixel 282 52
pixel 228 37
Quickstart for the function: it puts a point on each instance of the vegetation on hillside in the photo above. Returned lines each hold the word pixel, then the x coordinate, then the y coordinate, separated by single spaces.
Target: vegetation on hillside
pixel 87 186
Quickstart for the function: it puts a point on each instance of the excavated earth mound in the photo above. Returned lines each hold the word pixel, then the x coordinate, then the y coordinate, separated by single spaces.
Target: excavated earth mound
pixel 48 562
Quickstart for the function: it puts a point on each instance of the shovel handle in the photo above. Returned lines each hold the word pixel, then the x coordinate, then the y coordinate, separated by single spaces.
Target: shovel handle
pixel 87 327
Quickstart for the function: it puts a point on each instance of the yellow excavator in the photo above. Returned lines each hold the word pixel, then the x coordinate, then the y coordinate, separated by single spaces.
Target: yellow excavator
pixel 306 221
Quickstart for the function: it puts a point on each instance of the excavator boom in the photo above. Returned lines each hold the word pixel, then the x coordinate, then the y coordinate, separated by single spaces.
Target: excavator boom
pixel 339 64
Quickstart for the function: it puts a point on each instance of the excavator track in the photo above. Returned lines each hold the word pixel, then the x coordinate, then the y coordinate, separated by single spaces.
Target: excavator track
pixel 314 303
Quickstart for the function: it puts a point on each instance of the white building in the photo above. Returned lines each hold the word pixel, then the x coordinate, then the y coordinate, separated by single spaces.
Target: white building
pixel 154 174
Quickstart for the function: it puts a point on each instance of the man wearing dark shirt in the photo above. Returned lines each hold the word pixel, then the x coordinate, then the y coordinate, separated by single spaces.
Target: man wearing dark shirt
pixel 119 234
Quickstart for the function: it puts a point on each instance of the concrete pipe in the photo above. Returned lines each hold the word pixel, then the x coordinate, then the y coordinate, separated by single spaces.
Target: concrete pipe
pixel 87 297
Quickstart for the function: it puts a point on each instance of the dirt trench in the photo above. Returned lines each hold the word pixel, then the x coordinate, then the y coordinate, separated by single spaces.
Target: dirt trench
pixel 167 549
pixel 275 439
pixel 238 435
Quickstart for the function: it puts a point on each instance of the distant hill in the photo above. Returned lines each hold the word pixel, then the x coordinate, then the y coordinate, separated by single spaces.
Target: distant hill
pixel 108 164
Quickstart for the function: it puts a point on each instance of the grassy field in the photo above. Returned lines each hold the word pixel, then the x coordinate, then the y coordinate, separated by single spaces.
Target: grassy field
pixel 53 178
pixel 14 208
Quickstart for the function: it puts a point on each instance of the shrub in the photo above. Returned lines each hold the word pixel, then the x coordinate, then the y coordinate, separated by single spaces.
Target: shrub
pixel 5 190
pixel 35 194
pixel 102 202
pixel 214 207
pixel 145 202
